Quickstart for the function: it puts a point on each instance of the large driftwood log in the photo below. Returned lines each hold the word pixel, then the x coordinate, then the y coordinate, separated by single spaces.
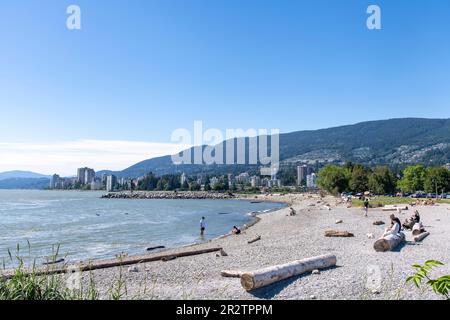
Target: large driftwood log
pixel 267 276
pixel 390 207
pixel 104 264
pixel 421 236
pixel 389 242
pixel 336 233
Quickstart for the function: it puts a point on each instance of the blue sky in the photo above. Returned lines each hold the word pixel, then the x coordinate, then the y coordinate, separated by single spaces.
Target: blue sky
pixel 138 70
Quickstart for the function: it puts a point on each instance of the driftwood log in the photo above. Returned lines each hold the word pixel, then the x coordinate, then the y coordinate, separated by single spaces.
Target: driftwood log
pixel 390 207
pixel 417 229
pixel 421 236
pixel 104 264
pixel 261 278
pixel 336 233
pixel 254 240
pixel 155 248
pixel 389 242
pixel 231 273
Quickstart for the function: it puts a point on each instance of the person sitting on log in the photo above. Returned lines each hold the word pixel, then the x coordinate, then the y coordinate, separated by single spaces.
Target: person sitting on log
pixel 292 211
pixel 395 227
pixel 411 221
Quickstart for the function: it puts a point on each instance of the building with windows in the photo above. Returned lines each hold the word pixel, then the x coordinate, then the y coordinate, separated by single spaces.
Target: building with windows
pixel 311 181
pixel 111 182
pixel 302 172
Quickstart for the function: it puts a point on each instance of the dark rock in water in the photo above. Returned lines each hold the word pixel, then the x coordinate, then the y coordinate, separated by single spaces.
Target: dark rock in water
pixel 53 262
pixel 224 212
pixel 155 248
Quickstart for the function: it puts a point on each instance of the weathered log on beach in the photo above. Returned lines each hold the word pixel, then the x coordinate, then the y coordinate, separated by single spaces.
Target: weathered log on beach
pixel 390 207
pixel 155 248
pixel 336 233
pixel 389 242
pixel 254 240
pixel 231 273
pixel 104 264
pixel 421 236
pixel 53 262
pixel 417 229
pixel 264 277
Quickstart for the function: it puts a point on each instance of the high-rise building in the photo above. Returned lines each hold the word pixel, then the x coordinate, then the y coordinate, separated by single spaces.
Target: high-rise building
pixel 85 175
pixel 301 175
pixel 54 181
pixel 311 181
pixel 111 182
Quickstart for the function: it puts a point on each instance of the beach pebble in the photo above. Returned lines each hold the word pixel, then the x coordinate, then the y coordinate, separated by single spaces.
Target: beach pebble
pixel 133 269
pixel 223 253
pixel 317 271
pixel 370 235
pixel 376 291
pixel 312 297
pixel 339 221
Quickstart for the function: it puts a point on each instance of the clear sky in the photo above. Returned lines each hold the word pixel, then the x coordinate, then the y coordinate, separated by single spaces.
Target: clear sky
pixel 138 70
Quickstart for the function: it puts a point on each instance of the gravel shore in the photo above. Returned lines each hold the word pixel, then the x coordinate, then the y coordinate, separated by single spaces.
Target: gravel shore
pixel 361 273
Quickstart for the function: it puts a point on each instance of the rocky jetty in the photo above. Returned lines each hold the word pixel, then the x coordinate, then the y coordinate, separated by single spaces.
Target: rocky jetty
pixel 168 195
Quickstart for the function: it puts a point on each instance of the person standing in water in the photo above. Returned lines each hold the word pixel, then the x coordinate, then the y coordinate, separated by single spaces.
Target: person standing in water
pixel 202 226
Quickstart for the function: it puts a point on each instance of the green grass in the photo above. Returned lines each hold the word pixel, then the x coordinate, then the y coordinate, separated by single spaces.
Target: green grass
pixel 381 201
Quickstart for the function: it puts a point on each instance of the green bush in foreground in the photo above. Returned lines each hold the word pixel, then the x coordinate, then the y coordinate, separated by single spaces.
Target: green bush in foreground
pixel 440 286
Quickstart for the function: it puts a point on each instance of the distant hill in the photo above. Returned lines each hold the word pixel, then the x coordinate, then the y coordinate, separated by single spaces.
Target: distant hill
pixel 24 183
pixel 394 142
pixel 21 175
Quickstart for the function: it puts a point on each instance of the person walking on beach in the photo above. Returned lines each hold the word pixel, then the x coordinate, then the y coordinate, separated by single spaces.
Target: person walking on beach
pixel 366 206
pixel 202 226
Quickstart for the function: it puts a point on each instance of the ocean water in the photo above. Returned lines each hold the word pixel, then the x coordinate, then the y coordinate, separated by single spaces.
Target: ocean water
pixel 87 227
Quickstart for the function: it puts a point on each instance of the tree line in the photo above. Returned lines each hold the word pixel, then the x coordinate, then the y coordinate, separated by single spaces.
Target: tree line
pixel 382 180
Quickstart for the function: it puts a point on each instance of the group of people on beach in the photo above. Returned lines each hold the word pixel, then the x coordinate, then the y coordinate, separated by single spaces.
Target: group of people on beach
pixel 235 229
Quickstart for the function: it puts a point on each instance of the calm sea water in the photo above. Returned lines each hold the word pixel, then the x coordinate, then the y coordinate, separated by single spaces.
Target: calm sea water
pixel 87 227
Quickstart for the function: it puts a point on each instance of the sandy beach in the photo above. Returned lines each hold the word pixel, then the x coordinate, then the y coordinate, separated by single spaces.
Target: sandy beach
pixel 360 273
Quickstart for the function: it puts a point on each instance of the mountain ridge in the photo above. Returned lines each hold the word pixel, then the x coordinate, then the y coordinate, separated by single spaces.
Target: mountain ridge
pixel 396 141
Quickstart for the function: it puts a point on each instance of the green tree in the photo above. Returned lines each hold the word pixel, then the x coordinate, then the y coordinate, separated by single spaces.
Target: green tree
pixel 359 179
pixel 382 181
pixel 413 179
pixel 194 186
pixel 333 179
pixel 437 179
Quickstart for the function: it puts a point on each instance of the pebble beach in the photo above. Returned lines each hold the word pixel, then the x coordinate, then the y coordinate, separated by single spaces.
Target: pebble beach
pixel 361 273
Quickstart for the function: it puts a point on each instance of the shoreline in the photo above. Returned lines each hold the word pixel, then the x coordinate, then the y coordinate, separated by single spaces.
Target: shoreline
pixel 253 219
pixel 283 239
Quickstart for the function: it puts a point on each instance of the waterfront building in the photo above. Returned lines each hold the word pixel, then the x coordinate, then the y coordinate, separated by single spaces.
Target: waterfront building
pixel 311 181
pixel 85 175
pixel 301 174
pixel 111 182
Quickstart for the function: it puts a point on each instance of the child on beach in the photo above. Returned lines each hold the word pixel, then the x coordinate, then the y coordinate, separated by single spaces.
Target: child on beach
pixel 202 226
